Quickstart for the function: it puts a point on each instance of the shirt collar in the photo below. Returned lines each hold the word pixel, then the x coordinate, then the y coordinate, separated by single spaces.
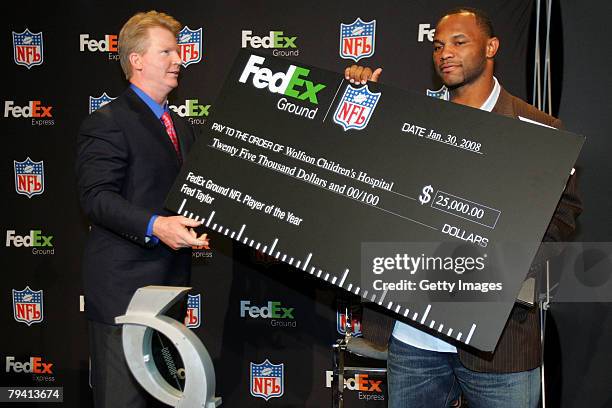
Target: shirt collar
pixel 488 105
pixel 158 110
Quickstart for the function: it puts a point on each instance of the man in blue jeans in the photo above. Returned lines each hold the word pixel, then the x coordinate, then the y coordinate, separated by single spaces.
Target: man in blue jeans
pixel 424 371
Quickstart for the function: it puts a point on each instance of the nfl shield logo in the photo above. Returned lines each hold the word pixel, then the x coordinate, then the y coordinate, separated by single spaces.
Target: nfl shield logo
pixel 29 177
pixel 190 45
pixel 341 324
pixel 28 305
pixel 267 380
pixel 357 40
pixel 192 319
pixel 441 93
pixel 28 48
pixel 100 101
pixel 356 107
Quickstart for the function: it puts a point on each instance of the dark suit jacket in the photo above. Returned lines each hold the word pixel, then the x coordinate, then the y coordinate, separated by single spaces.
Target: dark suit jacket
pixel 125 166
pixel 519 346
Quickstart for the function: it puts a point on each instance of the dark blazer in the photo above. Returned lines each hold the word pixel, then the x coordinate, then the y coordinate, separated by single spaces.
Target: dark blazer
pixel 125 166
pixel 519 346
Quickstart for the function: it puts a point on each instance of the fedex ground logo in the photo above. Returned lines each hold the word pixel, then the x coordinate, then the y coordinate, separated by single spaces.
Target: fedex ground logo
pixel 282 45
pixel 41 244
pixel 275 312
pixel 195 112
pixel 293 83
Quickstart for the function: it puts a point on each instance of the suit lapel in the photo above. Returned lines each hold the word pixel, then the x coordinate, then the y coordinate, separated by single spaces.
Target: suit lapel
pixel 504 104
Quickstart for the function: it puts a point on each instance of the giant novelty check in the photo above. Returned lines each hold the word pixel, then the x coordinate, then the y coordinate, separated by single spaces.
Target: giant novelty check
pixel 366 187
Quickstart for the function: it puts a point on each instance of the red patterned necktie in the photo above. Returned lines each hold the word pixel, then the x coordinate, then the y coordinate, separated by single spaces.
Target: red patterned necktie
pixel 171 133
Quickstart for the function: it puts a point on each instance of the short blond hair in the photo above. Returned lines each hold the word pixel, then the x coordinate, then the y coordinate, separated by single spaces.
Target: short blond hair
pixel 134 35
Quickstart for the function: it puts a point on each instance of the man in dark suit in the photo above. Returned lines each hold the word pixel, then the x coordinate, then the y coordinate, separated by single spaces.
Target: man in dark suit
pixel 424 371
pixel 128 154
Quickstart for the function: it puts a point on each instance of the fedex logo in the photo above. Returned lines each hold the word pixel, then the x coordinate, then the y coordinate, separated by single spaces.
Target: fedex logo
pixel 34 239
pixel 273 310
pixel 292 83
pixel 360 382
pixel 194 111
pixel 191 108
pixel 34 109
pixel 426 32
pixel 35 365
pixel 108 44
pixel 276 39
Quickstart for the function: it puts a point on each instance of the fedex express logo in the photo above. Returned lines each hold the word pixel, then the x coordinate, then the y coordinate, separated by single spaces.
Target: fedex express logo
pixel 368 388
pixel 359 382
pixel 39 113
pixel 292 83
pixel 35 365
pixel 41 370
pixel 34 109
pixel 109 43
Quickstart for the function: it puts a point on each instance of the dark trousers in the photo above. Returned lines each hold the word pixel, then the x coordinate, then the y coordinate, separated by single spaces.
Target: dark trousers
pixel 114 386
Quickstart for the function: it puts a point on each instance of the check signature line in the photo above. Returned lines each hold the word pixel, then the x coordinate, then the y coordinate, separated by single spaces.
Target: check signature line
pixel 341 195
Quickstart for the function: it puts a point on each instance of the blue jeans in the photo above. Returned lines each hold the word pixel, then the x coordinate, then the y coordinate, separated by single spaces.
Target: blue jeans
pixel 428 379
